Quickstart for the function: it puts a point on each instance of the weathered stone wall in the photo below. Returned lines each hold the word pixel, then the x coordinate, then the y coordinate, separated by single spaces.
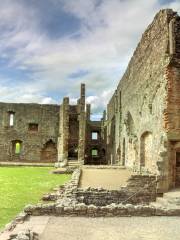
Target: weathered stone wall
pixel 50 133
pixel 139 104
pixel 73 133
pixel 66 203
pixel 37 144
pixel 82 125
pixel 63 136
pixel 172 111
pixel 139 190
pixel 111 131
pixel 99 144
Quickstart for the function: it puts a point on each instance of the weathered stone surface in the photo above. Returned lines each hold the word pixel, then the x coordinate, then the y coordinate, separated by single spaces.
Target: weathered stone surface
pixel 140 189
pixel 24 235
pixel 60 134
pixel 143 114
pixel 70 204
pixel 142 129
pixel 38 144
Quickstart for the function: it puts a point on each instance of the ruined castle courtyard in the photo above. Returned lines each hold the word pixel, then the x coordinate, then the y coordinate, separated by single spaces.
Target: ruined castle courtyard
pixel 125 167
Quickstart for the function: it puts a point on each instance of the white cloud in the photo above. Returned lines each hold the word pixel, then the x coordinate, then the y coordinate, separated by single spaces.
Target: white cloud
pixel 100 101
pixel 23 93
pixel 109 33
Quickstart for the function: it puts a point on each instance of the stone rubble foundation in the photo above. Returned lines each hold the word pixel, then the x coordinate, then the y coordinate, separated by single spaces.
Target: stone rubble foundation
pixel 106 211
pixel 24 235
pixel 70 200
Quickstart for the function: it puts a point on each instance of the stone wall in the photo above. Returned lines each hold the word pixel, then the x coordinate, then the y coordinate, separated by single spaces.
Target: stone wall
pixel 35 128
pixel 144 110
pixel 73 133
pixel 67 204
pixel 63 135
pixel 98 144
pixel 139 190
pixel 111 131
pixel 50 133
pixel 172 111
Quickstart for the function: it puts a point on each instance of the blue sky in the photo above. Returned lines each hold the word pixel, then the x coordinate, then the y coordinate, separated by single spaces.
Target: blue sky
pixel 48 47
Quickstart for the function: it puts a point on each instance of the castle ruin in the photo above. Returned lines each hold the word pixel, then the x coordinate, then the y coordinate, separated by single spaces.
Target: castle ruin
pixel 142 127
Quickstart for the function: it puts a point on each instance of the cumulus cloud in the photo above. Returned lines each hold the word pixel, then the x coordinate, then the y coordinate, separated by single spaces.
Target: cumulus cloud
pixel 102 46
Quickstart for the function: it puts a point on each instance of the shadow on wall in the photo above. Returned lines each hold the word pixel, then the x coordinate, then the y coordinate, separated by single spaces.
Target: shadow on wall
pixel 49 152
pixel 146 150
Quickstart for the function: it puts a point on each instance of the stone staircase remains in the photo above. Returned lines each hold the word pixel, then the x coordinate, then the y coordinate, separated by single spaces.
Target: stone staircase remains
pixel 170 199
pixel 73 164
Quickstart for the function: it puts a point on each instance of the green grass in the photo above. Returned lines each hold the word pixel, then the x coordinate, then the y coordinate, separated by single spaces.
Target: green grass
pixel 20 186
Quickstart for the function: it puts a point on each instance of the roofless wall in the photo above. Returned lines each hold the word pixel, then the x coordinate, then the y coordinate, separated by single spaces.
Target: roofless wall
pixel 149 92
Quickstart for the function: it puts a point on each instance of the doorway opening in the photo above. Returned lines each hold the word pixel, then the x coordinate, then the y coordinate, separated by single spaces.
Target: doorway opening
pixel 177 183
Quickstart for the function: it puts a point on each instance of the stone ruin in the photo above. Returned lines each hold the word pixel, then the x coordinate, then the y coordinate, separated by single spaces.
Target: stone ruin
pixel 134 199
pixel 141 129
pixel 24 235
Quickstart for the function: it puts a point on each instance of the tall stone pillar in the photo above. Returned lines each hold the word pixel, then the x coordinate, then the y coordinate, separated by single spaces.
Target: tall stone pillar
pixel 104 115
pixel 63 133
pixel 88 112
pixel 116 139
pixel 82 126
pixel 103 125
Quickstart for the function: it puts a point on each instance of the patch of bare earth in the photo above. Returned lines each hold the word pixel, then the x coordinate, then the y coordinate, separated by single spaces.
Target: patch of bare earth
pixel 111 179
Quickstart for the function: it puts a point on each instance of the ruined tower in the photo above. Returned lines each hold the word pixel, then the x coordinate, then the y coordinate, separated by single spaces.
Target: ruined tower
pixel 82 125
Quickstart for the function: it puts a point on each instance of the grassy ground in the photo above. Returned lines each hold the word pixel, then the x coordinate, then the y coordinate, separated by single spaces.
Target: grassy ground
pixel 24 185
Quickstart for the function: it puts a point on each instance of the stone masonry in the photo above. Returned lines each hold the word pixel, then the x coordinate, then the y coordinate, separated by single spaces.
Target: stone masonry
pixel 68 202
pixel 34 127
pixel 143 123
pixel 34 133
pixel 141 129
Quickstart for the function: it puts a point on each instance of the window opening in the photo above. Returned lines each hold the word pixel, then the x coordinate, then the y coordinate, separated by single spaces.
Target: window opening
pixel 17 148
pixel 33 127
pixel 94 152
pixel 11 119
pixel 94 135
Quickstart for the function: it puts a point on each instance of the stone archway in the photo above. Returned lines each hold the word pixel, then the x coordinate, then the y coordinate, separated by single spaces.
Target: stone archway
pixel 130 126
pixel 146 150
pixel 16 150
pixel 49 152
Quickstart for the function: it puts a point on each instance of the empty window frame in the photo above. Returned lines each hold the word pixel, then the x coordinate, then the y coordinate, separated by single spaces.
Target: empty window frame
pixel 94 135
pixel 17 148
pixel 11 119
pixel 94 152
pixel 33 127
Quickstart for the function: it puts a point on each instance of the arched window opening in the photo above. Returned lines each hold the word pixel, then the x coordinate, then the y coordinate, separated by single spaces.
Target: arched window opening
pixel 146 150
pixel 18 148
pixel 11 119
pixel 130 127
pixel 49 152
pixel 73 152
